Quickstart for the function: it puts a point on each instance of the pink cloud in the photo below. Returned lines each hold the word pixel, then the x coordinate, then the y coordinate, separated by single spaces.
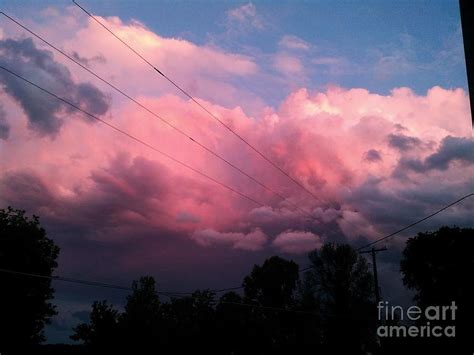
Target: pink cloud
pixel 321 138
pixel 254 240
pixel 329 164
pixel 297 242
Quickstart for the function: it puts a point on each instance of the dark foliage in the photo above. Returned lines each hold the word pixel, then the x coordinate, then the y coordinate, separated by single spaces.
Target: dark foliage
pixel 277 314
pixel 438 267
pixel 101 330
pixel 341 285
pixel 24 306
pixel 331 310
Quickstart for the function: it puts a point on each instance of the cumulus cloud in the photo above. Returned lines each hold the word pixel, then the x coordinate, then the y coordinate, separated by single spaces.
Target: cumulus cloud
pixel 451 149
pixel 206 71
pixel 321 138
pixel 297 242
pixel 125 209
pixel 327 215
pixel 332 141
pixel 45 114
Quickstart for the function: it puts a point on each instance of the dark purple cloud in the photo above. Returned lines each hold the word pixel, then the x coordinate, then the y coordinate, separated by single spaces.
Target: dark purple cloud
pixel 45 113
pixel 451 149
pixel 459 149
pixel 403 142
pixel 99 58
pixel 373 155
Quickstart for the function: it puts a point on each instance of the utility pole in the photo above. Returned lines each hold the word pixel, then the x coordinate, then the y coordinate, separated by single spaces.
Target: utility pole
pixel 374 251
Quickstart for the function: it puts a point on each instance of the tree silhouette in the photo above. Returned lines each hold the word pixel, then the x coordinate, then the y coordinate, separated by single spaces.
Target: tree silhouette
pixel 24 306
pixel 309 326
pixel 331 310
pixel 437 266
pixel 232 323
pixel 343 289
pixel 100 334
pixel 140 324
pixel 272 285
pixel 190 323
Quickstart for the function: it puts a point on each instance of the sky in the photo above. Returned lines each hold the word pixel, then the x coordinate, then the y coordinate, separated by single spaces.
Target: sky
pixel 363 103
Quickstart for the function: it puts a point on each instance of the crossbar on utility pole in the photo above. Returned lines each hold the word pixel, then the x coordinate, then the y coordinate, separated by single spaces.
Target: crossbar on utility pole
pixel 374 251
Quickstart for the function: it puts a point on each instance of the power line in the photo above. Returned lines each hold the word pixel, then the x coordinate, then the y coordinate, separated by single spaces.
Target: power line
pixel 180 294
pixel 180 131
pixel 170 294
pixel 101 284
pixel 86 282
pixel 376 241
pixel 228 289
pixel 417 222
pixel 278 309
pixel 135 138
pixel 236 134
pixel 91 283
pixel 67 279
pixel 199 104
pixel 212 179
pixel 406 227
pixel 147 145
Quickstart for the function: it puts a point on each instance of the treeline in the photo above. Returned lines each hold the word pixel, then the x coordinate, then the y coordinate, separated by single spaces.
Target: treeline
pixel 277 312
pixel 327 309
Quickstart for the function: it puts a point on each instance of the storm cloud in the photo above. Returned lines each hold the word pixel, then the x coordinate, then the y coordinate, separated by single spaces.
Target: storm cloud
pixel 403 142
pixel 451 149
pixel 45 114
pixel 341 144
